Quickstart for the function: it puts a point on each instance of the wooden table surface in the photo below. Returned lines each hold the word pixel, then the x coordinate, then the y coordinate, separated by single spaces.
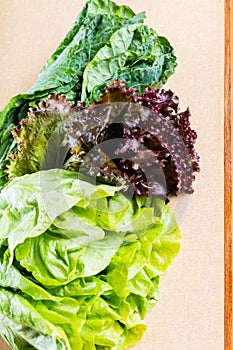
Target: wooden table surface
pixel 190 312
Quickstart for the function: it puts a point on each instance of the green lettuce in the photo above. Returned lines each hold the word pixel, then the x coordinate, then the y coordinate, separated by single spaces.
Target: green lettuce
pixel 80 263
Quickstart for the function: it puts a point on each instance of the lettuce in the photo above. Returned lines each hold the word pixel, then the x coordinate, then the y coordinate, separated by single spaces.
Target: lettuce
pixel 80 263
pixel 106 42
pixel 143 156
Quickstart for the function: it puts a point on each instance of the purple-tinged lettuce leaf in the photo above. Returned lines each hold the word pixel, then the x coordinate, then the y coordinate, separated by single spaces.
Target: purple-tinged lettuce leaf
pixel 156 153
pixel 152 147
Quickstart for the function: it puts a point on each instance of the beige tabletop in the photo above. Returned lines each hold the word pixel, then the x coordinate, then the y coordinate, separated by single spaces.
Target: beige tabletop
pixel 189 314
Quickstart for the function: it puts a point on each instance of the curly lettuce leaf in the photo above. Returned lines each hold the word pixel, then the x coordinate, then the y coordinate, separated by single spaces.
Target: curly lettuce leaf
pixel 57 135
pixel 145 157
pixel 33 133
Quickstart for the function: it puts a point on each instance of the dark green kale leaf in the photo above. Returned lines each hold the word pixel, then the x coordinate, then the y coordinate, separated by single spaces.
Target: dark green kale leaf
pixel 106 42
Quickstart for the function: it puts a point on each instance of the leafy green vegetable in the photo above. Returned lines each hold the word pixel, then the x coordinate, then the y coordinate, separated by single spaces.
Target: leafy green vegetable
pixel 107 41
pixel 80 263
pixel 57 135
pixel 33 133
pixel 134 54
pixel 27 326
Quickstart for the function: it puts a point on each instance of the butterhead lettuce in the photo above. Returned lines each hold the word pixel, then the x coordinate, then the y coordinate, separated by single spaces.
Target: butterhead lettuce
pixel 78 270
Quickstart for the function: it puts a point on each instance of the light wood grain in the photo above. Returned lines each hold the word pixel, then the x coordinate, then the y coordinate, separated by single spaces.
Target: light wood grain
pixel 228 173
